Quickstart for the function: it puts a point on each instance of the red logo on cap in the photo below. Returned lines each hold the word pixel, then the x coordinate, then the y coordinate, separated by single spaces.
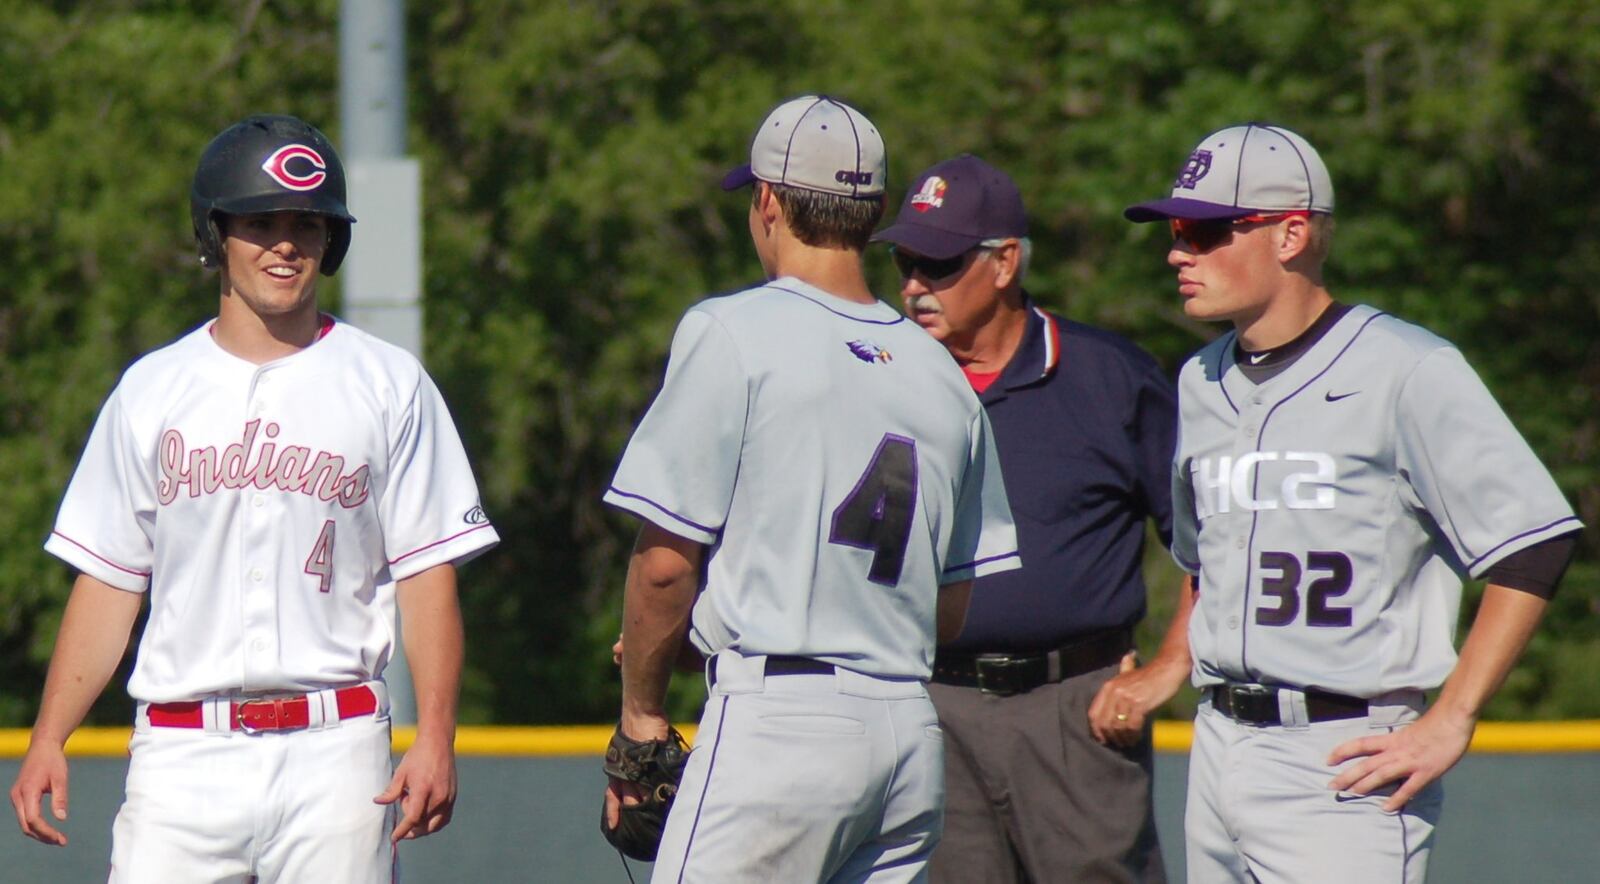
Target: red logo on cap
pixel 931 196
pixel 277 166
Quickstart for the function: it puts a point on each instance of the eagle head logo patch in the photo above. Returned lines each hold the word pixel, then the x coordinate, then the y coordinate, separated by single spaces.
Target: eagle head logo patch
pixel 866 351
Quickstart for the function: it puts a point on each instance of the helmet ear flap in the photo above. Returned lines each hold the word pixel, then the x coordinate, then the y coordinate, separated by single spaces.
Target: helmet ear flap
pixel 208 236
pixel 338 245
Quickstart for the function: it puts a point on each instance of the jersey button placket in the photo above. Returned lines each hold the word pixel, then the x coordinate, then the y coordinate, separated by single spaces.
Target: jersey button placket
pixel 258 607
pixel 258 400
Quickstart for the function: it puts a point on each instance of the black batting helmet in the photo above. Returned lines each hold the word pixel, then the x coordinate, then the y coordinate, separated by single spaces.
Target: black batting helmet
pixel 269 163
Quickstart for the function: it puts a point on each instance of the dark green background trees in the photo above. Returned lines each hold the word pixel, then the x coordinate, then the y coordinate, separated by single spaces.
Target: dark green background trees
pixel 571 152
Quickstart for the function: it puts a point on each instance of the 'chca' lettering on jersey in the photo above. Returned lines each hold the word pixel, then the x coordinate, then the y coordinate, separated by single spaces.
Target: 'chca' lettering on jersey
pixel 244 464
pixel 1225 482
pixel 1333 510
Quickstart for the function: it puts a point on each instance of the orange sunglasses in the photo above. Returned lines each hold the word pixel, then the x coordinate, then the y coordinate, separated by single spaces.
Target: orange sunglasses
pixel 1209 234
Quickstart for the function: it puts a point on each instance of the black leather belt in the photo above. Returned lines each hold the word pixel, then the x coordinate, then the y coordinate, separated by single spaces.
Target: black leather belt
pixel 781 665
pixel 1258 704
pixel 1007 674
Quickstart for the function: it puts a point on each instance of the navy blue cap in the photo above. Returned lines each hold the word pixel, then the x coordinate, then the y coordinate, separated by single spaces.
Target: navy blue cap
pixel 955 205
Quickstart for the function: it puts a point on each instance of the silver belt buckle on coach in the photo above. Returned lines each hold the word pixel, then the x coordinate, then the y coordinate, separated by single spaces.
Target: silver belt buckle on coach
pixel 995 663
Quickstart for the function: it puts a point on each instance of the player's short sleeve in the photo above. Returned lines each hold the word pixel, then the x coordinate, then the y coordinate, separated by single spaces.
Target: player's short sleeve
pixel 679 468
pixel 1185 520
pixel 983 539
pixel 1154 437
pixel 430 509
pixel 107 516
pixel 1470 469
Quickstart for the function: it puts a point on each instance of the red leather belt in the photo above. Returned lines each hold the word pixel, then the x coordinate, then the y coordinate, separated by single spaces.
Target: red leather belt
pixel 266 714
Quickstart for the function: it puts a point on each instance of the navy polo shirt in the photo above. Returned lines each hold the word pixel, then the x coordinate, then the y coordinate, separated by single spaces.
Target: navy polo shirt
pixel 1085 435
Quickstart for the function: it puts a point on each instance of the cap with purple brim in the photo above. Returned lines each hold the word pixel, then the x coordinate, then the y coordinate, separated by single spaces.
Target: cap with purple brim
pixel 1244 170
pixel 955 205
pixel 818 143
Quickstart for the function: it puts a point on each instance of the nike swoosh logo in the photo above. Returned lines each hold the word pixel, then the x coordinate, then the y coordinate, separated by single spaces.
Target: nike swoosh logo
pixel 1255 358
pixel 1347 797
pixel 1332 398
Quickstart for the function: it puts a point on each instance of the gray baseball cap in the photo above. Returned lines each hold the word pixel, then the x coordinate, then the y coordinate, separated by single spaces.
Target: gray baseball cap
pixel 816 143
pixel 1244 170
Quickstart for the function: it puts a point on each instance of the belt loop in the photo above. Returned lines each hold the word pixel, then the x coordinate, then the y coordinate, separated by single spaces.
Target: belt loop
pixel 322 709
pixel 216 715
pixel 1292 709
pixel 1052 666
pixel 380 690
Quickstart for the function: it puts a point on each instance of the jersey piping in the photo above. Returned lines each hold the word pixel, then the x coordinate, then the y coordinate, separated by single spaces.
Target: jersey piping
pixel 895 321
pixel 422 549
pixel 1510 540
pixel 1255 482
pixel 101 557
pixel 1000 558
pixel 664 511
pixel 1228 361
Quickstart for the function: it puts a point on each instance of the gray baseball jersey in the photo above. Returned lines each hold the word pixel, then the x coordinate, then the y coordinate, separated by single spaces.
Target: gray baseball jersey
pixel 832 518
pixel 1333 511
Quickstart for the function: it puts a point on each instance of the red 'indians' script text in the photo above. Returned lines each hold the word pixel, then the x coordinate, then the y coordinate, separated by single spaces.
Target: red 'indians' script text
pixel 294 468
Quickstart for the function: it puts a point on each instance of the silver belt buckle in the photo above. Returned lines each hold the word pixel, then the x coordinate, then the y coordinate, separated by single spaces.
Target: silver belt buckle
pixel 983 663
pixel 1244 701
pixel 245 727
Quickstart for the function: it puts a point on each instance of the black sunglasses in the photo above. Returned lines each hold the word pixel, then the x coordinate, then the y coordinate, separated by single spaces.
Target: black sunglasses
pixel 932 269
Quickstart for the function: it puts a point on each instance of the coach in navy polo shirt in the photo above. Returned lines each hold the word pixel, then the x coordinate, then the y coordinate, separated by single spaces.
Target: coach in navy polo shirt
pixel 1084 421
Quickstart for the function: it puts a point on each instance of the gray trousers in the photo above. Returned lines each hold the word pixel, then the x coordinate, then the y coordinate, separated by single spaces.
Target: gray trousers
pixel 1031 797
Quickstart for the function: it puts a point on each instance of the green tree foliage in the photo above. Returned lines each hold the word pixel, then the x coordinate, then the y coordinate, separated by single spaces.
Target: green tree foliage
pixel 571 153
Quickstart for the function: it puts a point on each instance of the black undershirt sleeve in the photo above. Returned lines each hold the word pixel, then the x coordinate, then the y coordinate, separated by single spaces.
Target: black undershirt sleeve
pixel 1537 569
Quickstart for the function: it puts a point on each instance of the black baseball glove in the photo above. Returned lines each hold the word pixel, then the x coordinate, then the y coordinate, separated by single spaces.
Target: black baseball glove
pixel 657 767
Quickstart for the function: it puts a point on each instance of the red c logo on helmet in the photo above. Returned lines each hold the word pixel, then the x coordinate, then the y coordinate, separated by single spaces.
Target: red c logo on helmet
pixel 277 166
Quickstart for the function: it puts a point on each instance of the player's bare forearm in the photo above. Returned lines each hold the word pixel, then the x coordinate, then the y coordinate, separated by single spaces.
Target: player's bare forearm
pixel 950 615
pixel 425 780
pixel 1118 712
pixel 1505 623
pixel 90 643
pixel 1422 752
pixel 93 636
pixel 663 575
pixel 430 617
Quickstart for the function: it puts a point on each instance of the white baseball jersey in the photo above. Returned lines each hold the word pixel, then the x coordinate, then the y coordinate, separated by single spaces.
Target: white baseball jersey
pixel 838 464
pixel 269 510
pixel 1332 511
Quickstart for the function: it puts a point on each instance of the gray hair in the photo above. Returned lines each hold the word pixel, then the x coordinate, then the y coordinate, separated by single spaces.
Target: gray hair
pixel 1024 251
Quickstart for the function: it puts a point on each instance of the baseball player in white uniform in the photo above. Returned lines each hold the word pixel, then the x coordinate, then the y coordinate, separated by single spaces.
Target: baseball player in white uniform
pixel 276 482
pixel 824 465
pixel 1339 472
